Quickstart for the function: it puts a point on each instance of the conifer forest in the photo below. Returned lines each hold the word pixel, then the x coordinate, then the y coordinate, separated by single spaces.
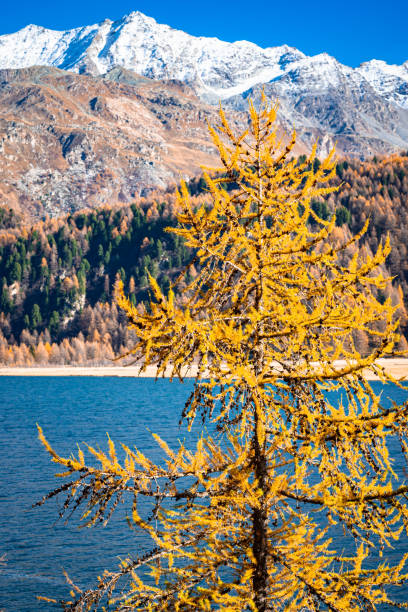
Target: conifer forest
pixel 57 276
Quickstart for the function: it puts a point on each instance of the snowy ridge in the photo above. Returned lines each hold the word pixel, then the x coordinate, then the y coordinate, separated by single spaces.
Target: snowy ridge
pixel 216 69
pixel 138 43
pixel 391 81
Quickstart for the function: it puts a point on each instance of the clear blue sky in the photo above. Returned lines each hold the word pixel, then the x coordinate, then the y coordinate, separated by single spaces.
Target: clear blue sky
pixel 353 31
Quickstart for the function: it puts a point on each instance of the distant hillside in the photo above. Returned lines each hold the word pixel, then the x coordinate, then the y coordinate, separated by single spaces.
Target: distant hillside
pixel 57 276
pixel 71 141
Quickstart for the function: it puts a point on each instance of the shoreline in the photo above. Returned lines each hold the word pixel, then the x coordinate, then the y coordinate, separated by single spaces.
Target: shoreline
pixel 80 370
pixel 398 368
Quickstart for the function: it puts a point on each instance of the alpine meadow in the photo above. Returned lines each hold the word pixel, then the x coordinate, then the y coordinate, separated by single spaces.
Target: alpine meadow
pixel 269 327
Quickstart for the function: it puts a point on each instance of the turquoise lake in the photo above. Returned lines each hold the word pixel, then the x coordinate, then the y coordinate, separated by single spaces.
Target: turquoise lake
pixel 72 410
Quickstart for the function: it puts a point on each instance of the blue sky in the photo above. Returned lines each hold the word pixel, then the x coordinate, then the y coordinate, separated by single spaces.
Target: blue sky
pixel 352 31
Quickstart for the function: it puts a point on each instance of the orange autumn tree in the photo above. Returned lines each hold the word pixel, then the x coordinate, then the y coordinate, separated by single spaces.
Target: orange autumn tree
pixel 244 521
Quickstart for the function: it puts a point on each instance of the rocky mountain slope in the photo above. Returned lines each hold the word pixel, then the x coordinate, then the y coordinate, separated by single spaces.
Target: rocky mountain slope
pixel 364 109
pixel 69 141
pixel 335 105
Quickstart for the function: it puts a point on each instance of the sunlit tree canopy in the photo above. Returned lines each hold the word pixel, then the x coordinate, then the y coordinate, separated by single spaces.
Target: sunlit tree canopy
pixel 300 442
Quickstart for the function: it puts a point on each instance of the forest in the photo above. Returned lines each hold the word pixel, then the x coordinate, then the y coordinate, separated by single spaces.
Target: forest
pixel 57 276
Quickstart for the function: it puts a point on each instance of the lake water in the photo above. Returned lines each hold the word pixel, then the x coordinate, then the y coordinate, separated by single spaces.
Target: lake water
pixel 72 410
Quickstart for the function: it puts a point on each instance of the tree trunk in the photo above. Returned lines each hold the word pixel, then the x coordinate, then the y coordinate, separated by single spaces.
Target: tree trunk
pixel 260 526
pixel 260 515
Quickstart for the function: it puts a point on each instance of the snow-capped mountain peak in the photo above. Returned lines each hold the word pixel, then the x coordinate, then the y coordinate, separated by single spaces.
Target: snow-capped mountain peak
pixel 318 94
pixel 390 81
pixel 216 69
pixel 137 42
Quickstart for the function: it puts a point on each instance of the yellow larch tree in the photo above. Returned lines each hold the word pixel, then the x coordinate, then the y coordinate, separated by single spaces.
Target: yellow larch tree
pixel 244 521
